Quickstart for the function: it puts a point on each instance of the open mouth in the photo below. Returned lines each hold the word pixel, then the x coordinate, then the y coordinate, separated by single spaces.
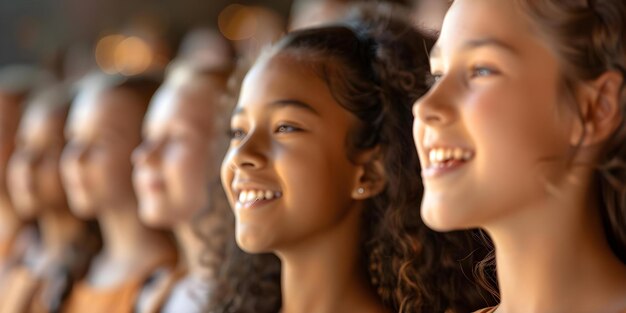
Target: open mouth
pixel 249 198
pixel 441 160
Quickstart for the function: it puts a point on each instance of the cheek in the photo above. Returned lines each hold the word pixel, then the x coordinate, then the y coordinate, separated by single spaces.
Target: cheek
pixel 418 134
pixel 317 185
pixel 227 175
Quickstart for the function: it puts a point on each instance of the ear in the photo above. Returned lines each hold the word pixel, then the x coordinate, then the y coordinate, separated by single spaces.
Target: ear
pixel 601 112
pixel 371 178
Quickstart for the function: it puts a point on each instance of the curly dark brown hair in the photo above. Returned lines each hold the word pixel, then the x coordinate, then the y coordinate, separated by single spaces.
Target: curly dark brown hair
pixel 376 66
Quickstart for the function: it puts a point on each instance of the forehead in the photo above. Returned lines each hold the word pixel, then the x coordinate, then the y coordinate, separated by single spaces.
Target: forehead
pixel 499 20
pixel 188 102
pixel 108 108
pixel 283 76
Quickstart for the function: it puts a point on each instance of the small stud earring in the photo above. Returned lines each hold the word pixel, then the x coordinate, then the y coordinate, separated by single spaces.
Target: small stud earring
pixel 360 190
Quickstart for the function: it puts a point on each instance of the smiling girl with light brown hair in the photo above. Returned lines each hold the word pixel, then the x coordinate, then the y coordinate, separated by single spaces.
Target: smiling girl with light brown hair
pixel 523 135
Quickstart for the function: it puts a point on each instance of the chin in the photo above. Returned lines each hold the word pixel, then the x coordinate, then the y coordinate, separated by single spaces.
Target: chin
pixel 83 211
pixel 251 242
pixel 154 218
pixel 441 219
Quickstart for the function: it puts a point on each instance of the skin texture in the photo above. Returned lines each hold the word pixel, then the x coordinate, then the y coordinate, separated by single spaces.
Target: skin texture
pixel 289 137
pixel 500 97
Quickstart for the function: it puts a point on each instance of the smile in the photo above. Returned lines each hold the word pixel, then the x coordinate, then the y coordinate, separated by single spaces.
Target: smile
pixel 444 160
pixel 251 198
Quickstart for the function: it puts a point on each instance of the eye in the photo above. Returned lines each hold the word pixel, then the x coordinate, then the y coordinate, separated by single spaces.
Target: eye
pixel 284 128
pixel 236 134
pixel 482 71
pixel 433 79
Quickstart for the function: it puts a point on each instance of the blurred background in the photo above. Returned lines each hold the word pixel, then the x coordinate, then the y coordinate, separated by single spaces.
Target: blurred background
pixel 68 37
pixel 46 31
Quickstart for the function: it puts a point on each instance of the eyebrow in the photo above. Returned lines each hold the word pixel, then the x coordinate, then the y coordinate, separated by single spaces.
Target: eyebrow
pixel 478 43
pixel 282 103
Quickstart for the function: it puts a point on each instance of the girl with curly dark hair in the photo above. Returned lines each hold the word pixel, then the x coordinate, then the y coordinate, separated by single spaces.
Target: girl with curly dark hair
pixel 321 172
pixel 523 135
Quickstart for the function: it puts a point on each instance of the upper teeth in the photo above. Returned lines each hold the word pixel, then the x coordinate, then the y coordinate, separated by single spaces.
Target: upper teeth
pixel 439 155
pixel 254 195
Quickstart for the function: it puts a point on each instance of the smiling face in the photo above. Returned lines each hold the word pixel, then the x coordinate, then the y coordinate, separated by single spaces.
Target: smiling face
pixel 102 130
pixel 286 174
pixel 33 173
pixel 174 164
pixel 494 131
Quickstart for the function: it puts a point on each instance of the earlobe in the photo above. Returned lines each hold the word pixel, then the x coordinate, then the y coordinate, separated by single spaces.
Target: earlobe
pixel 371 176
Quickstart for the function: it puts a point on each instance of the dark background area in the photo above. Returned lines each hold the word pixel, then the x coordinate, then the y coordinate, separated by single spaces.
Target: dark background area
pixel 32 30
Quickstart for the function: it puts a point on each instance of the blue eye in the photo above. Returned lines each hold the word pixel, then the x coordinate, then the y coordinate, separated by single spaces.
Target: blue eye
pixel 482 71
pixel 286 129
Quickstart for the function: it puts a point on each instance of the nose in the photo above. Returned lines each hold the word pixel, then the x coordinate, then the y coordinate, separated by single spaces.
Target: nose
pixel 75 153
pixel 250 153
pixel 147 152
pixel 436 107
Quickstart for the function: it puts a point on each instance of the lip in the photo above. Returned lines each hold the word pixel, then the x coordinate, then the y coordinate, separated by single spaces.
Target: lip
pixel 154 185
pixel 431 170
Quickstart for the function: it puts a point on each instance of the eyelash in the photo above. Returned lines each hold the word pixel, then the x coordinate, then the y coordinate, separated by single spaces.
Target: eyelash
pixel 236 133
pixel 290 129
pixel 433 79
pixel 479 71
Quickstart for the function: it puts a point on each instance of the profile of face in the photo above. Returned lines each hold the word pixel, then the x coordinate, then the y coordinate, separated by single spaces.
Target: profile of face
pixel 10 112
pixel 34 179
pixel 103 128
pixel 173 167
pixel 494 132
pixel 287 174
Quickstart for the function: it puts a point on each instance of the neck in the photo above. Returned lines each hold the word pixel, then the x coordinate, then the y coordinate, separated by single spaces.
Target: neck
pixel 125 238
pixel 59 229
pixel 324 274
pixel 548 256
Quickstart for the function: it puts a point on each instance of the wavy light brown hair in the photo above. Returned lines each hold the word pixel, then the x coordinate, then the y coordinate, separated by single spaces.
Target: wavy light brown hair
pixel 589 38
pixel 376 66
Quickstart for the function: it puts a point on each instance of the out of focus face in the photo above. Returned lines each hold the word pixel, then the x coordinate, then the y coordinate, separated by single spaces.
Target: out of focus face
pixel 10 112
pixel 495 130
pixel 173 167
pixel 33 172
pixel 102 130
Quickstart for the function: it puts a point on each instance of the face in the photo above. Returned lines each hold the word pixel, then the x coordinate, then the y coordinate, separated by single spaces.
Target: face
pixel 286 174
pixel 494 131
pixel 173 171
pixel 10 112
pixel 33 172
pixel 102 130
